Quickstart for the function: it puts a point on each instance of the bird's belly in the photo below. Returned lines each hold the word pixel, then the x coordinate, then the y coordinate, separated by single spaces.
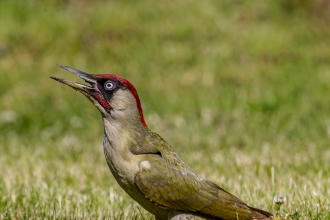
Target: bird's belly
pixel 124 171
pixel 122 168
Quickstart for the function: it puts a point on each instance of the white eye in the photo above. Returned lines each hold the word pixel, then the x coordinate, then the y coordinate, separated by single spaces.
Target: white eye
pixel 108 85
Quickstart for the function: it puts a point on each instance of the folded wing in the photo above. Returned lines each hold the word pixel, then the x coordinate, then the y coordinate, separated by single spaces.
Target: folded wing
pixel 178 187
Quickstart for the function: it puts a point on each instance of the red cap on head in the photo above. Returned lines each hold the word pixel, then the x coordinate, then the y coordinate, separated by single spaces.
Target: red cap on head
pixel 130 86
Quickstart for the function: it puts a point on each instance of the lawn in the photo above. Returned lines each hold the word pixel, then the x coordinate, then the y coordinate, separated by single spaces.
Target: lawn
pixel 239 89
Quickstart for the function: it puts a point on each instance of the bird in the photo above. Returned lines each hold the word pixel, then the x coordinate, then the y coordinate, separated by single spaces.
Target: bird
pixel 146 166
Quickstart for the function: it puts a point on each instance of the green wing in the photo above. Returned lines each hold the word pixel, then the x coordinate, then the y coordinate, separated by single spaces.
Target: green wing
pixel 178 187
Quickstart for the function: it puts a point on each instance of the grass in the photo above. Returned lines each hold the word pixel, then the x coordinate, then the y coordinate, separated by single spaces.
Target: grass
pixel 239 89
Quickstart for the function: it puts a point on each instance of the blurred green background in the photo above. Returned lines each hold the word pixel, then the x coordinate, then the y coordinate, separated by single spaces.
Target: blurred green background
pixel 240 89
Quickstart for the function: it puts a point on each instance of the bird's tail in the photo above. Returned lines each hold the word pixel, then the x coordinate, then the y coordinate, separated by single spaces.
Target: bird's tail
pixel 259 214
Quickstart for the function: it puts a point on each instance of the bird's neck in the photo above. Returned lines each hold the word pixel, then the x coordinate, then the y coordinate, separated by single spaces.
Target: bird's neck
pixel 122 135
pixel 121 149
pixel 119 140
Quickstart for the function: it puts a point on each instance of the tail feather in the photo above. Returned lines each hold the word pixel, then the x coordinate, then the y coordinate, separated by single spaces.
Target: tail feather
pixel 259 214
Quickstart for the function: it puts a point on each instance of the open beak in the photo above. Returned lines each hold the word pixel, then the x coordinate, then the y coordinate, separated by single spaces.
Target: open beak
pixel 85 89
pixel 91 91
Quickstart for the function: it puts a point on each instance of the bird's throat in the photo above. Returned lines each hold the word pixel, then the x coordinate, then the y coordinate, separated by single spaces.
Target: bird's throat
pixel 117 142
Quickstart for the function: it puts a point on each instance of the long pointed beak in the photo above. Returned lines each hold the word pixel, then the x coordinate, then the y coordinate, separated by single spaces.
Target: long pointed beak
pixel 89 78
pixel 91 91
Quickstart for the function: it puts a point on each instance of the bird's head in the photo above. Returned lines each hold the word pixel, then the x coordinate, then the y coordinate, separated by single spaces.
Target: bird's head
pixel 114 96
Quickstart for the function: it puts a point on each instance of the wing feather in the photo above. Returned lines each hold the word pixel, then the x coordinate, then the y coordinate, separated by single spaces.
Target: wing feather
pixel 179 187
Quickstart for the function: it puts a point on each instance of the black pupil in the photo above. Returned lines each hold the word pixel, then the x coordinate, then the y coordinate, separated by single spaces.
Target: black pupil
pixel 109 85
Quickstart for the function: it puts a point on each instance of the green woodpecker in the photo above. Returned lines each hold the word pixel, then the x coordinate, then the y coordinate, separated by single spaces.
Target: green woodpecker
pixel 146 166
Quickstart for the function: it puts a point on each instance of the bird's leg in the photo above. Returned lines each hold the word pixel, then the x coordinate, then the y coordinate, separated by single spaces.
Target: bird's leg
pixel 176 215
